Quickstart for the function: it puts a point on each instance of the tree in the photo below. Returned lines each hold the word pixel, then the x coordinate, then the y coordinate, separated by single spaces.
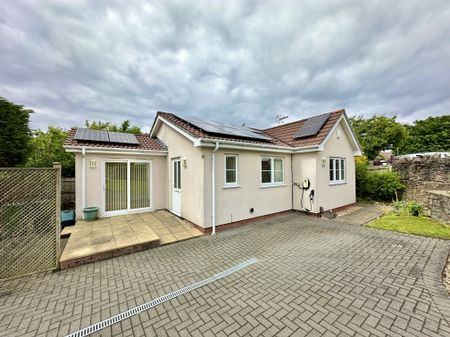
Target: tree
pixel 378 133
pixel 428 135
pixel 14 133
pixel 47 147
pixel 124 127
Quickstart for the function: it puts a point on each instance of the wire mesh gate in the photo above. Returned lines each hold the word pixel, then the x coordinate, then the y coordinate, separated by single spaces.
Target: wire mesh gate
pixel 29 220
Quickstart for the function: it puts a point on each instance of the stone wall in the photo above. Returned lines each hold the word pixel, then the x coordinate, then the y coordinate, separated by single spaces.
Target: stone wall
pixel 439 205
pixel 422 176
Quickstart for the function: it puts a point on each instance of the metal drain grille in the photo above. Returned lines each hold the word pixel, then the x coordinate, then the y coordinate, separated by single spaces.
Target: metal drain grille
pixel 131 312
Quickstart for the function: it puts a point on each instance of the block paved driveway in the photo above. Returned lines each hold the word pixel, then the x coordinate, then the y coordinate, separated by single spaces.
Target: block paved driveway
pixel 313 277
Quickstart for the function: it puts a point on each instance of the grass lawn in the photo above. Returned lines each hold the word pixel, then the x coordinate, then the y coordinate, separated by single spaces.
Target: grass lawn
pixel 412 225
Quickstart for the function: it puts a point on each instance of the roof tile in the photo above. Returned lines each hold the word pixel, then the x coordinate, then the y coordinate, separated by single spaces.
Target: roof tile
pixel 287 131
pixel 281 135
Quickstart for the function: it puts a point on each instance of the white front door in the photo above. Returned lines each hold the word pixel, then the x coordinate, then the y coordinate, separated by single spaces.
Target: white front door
pixel 176 186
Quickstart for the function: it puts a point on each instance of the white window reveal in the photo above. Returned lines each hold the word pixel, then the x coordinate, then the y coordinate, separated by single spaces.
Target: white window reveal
pixel 337 170
pixel 272 171
pixel 231 170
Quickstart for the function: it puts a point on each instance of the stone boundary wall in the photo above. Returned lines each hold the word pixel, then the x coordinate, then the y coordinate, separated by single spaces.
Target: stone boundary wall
pixel 439 205
pixel 421 176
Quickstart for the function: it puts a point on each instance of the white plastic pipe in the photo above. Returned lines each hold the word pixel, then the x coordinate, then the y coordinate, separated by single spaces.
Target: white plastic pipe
pixel 213 189
pixel 83 178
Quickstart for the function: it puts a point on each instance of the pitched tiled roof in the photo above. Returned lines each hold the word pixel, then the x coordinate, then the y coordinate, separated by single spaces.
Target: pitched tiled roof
pixel 281 135
pixel 286 132
pixel 145 143
pixel 199 133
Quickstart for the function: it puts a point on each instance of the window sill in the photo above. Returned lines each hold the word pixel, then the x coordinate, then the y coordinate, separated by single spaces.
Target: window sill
pixel 231 186
pixel 332 183
pixel 273 185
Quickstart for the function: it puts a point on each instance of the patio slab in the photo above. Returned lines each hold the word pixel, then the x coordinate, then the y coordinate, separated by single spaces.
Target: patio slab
pixel 92 241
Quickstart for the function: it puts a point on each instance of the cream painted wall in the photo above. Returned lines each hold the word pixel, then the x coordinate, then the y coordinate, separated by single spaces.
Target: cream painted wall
pixel 233 204
pixel 94 180
pixel 192 176
pixel 333 196
pixel 304 166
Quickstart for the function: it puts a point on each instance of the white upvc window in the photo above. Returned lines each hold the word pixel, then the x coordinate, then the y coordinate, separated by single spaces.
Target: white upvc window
pixel 337 170
pixel 231 170
pixel 272 171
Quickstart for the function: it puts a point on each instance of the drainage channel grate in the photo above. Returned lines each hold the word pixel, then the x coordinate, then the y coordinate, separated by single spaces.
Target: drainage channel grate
pixel 132 312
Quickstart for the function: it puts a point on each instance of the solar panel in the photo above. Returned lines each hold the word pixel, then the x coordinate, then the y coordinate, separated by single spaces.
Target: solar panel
pixel 226 129
pixel 105 136
pixel 311 126
pixel 92 135
pixel 124 138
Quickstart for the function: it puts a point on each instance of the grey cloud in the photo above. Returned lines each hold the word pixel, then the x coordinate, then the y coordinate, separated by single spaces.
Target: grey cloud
pixel 246 61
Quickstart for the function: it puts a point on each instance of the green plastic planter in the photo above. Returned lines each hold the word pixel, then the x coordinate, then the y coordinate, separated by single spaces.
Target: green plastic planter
pixel 90 213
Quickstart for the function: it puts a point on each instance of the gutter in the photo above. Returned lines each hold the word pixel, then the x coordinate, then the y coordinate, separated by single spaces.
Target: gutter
pixel 258 147
pixel 213 189
pixel 114 150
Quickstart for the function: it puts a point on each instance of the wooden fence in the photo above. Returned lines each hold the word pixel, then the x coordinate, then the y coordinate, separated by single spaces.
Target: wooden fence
pixel 67 191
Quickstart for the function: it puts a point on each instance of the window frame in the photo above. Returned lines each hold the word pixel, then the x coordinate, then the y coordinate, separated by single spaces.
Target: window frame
pixel 342 170
pixel 236 169
pixel 272 171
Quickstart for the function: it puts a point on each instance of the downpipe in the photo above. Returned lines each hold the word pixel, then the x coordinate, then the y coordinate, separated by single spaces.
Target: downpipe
pixel 213 189
pixel 83 178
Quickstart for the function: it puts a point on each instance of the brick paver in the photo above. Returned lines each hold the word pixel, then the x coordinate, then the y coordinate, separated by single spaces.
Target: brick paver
pixel 313 278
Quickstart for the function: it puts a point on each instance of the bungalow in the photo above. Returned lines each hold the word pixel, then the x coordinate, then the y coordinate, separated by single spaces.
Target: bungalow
pixel 214 174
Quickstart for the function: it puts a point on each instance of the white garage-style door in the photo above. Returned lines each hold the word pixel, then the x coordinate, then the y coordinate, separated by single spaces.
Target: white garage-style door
pixel 126 186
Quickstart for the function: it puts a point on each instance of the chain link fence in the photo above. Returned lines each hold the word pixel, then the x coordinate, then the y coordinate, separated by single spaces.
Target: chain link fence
pixel 29 220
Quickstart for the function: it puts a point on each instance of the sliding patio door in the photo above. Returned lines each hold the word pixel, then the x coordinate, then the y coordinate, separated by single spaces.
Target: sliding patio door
pixel 126 186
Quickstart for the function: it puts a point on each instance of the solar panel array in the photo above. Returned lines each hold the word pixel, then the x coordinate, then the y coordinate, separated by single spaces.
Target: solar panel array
pixel 311 126
pixel 226 129
pixel 105 136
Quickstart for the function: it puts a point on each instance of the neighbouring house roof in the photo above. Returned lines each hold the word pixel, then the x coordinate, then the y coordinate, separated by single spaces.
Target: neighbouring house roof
pixel 280 136
pixel 146 143
pixel 438 154
pixel 384 155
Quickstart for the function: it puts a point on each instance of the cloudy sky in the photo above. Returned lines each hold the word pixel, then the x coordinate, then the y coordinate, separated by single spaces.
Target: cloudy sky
pixel 241 61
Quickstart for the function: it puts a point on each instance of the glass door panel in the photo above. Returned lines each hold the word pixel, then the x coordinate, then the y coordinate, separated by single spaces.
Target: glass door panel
pixel 139 185
pixel 115 186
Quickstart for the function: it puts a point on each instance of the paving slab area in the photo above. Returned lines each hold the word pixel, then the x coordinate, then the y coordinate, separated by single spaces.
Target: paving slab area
pixel 313 277
pixel 108 237
pixel 361 213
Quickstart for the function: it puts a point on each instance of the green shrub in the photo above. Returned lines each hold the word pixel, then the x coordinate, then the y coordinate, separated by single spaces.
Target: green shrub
pixel 362 177
pixel 383 185
pixel 406 208
pixel 376 185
